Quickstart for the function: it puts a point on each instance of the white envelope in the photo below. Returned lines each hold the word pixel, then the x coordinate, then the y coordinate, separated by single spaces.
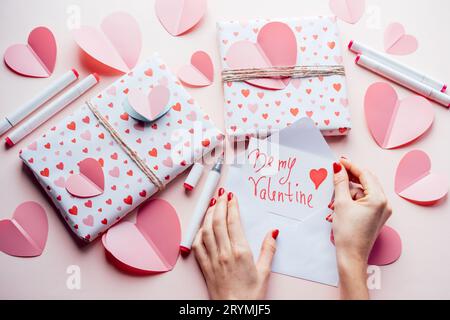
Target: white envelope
pixel 286 183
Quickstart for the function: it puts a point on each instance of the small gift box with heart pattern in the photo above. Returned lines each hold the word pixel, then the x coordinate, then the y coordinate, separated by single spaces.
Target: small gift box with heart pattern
pixel 120 148
pixel 278 71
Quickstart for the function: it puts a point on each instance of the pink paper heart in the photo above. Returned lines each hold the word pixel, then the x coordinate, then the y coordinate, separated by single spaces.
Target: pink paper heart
pixel 155 236
pixel 117 44
pixel 396 41
pixel 152 105
pixel 387 248
pixel 393 122
pixel 349 11
pixel 35 59
pixel 200 73
pixel 90 182
pixel 415 182
pixel 25 234
pixel 179 16
pixel 276 46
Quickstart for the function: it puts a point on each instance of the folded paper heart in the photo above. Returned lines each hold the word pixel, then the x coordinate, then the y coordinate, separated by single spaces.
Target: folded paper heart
pixel 148 107
pixel 415 182
pixel 396 41
pixel 117 44
pixel 200 73
pixel 151 244
pixel 393 122
pixel 25 234
pixel 179 16
pixel 276 46
pixel 386 249
pixel 37 58
pixel 349 11
pixel 90 182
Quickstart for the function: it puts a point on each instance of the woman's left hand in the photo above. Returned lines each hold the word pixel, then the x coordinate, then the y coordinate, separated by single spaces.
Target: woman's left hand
pixel 224 255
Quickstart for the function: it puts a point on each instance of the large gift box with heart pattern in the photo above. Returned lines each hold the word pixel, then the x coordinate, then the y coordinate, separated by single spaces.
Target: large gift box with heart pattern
pixel 100 163
pixel 261 106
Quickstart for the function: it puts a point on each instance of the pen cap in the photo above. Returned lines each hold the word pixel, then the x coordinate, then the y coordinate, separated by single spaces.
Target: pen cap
pixel 194 176
pixel 4 126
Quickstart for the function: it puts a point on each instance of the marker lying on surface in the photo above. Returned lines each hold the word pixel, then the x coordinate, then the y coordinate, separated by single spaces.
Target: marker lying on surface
pixel 202 205
pixel 401 79
pixel 49 92
pixel 361 49
pixel 49 111
pixel 194 176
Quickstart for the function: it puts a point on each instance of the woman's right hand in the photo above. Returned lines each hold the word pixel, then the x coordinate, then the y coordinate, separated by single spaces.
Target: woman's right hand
pixel 358 219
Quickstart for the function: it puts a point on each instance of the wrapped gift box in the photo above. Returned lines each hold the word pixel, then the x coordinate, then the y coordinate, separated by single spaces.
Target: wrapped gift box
pixel 166 147
pixel 252 110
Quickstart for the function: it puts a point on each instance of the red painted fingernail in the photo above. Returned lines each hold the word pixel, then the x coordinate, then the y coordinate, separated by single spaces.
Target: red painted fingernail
pixel 331 205
pixel 221 191
pixel 275 233
pixel 328 217
pixel 212 202
pixel 337 167
pixel 230 196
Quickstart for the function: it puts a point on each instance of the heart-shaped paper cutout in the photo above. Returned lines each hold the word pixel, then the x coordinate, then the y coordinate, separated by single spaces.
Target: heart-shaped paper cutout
pixel 386 249
pixel 415 182
pixel 117 44
pixel 148 107
pixel 155 239
pixel 90 182
pixel 318 176
pixel 349 11
pixel 276 46
pixel 35 59
pixel 25 234
pixel 396 41
pixel 393 122
pixel 200 73
pixel 179 16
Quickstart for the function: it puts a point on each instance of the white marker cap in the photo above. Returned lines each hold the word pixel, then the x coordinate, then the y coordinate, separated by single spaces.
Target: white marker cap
pixel 4 126
pixel 194 176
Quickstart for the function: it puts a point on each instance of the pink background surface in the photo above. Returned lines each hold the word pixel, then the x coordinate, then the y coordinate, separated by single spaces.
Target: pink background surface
pixel 421 272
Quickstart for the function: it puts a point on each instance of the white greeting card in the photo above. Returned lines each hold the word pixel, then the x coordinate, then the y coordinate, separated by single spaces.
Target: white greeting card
pixel 286 183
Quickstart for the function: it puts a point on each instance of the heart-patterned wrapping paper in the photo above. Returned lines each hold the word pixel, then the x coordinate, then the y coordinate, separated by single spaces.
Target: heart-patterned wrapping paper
pixel 252 110
pixel 167 146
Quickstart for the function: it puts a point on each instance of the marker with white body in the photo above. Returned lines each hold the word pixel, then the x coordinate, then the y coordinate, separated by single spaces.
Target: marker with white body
pixel 49 92
pixel 49 111
pixel 361 49
pixel 401 79
pixel 202 204
pixel 194 176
